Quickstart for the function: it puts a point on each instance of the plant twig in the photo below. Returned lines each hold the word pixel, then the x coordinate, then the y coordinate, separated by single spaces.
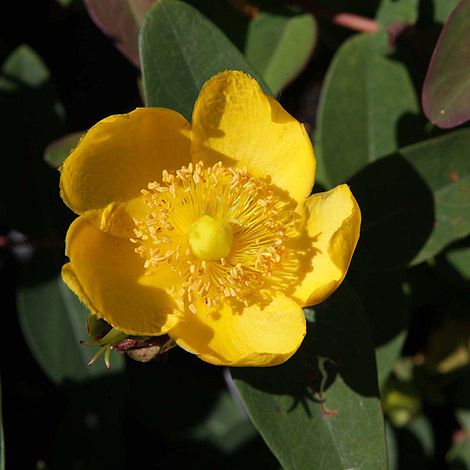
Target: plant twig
pixel 344 19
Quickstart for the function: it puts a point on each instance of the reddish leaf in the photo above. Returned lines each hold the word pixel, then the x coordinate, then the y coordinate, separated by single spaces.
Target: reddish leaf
pixel 446 91
pixel 121 20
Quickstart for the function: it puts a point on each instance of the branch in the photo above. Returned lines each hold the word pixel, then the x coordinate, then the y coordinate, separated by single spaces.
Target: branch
pixel 344 19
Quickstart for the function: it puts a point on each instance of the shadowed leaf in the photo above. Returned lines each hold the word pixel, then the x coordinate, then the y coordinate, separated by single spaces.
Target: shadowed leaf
pixel 54 322
pixel 415 201
pixel 321 408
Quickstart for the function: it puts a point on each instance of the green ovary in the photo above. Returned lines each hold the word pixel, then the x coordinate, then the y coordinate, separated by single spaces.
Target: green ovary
pixel 210 238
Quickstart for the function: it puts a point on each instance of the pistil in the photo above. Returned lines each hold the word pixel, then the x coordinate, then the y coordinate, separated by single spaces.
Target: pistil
pixel 221 230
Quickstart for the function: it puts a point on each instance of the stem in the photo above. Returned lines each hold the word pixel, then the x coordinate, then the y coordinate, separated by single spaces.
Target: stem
pixel 344 19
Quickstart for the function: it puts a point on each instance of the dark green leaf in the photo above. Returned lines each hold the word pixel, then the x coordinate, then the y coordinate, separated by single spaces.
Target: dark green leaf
pixel 446 90
pixel 413 203
pixel 393 11
pixel 53 322
pixel 368 108
pixel 397 214
pixel 392 448
pixel 388 320
pixel 279 44
pixel 180 50
pixel 459 259
pixel 442 9
pixel 321 409
pixel 443 164
pixel 388 353
pixel 454 264
pixel 57 151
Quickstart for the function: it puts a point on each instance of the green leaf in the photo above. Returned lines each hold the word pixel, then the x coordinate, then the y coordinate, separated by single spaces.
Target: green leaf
pixel 387 355
pixel 442 9
pixel 54 322
pixel 459 259
pixel 368 108
pixel 279 44
pixel 180 50
pixel 446 90
pixel 413 203
pixel 388 320
pixel 443 164
pixel 321 408
pixel 393 11
pixel 56 152
pixel 397 214
pixel 453 264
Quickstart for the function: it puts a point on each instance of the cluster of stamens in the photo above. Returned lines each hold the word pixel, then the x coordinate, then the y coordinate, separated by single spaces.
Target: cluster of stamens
pixel 262 223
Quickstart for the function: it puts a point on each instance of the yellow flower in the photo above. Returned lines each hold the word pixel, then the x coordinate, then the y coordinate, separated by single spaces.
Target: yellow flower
pixel 206 232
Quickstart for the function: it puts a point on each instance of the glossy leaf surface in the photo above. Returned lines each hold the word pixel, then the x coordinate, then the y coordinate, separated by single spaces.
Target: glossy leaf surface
pixel 368 108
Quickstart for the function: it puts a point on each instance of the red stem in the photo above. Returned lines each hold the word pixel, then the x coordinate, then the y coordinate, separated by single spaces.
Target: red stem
pixel 347 20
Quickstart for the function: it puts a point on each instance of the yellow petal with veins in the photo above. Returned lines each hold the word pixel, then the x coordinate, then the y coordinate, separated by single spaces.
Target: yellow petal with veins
pixel 236 123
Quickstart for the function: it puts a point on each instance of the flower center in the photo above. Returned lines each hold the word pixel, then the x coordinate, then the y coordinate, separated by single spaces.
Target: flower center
pixel 210 238
pixel 224 232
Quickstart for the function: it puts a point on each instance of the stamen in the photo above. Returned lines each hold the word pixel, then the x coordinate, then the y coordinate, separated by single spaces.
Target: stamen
pixel 262 225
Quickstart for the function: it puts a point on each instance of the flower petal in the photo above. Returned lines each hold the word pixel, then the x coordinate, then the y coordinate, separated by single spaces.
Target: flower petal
pixel 102 178
pixel 253 337
pixel 236 123
pixel 108 276
pixel 333 221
